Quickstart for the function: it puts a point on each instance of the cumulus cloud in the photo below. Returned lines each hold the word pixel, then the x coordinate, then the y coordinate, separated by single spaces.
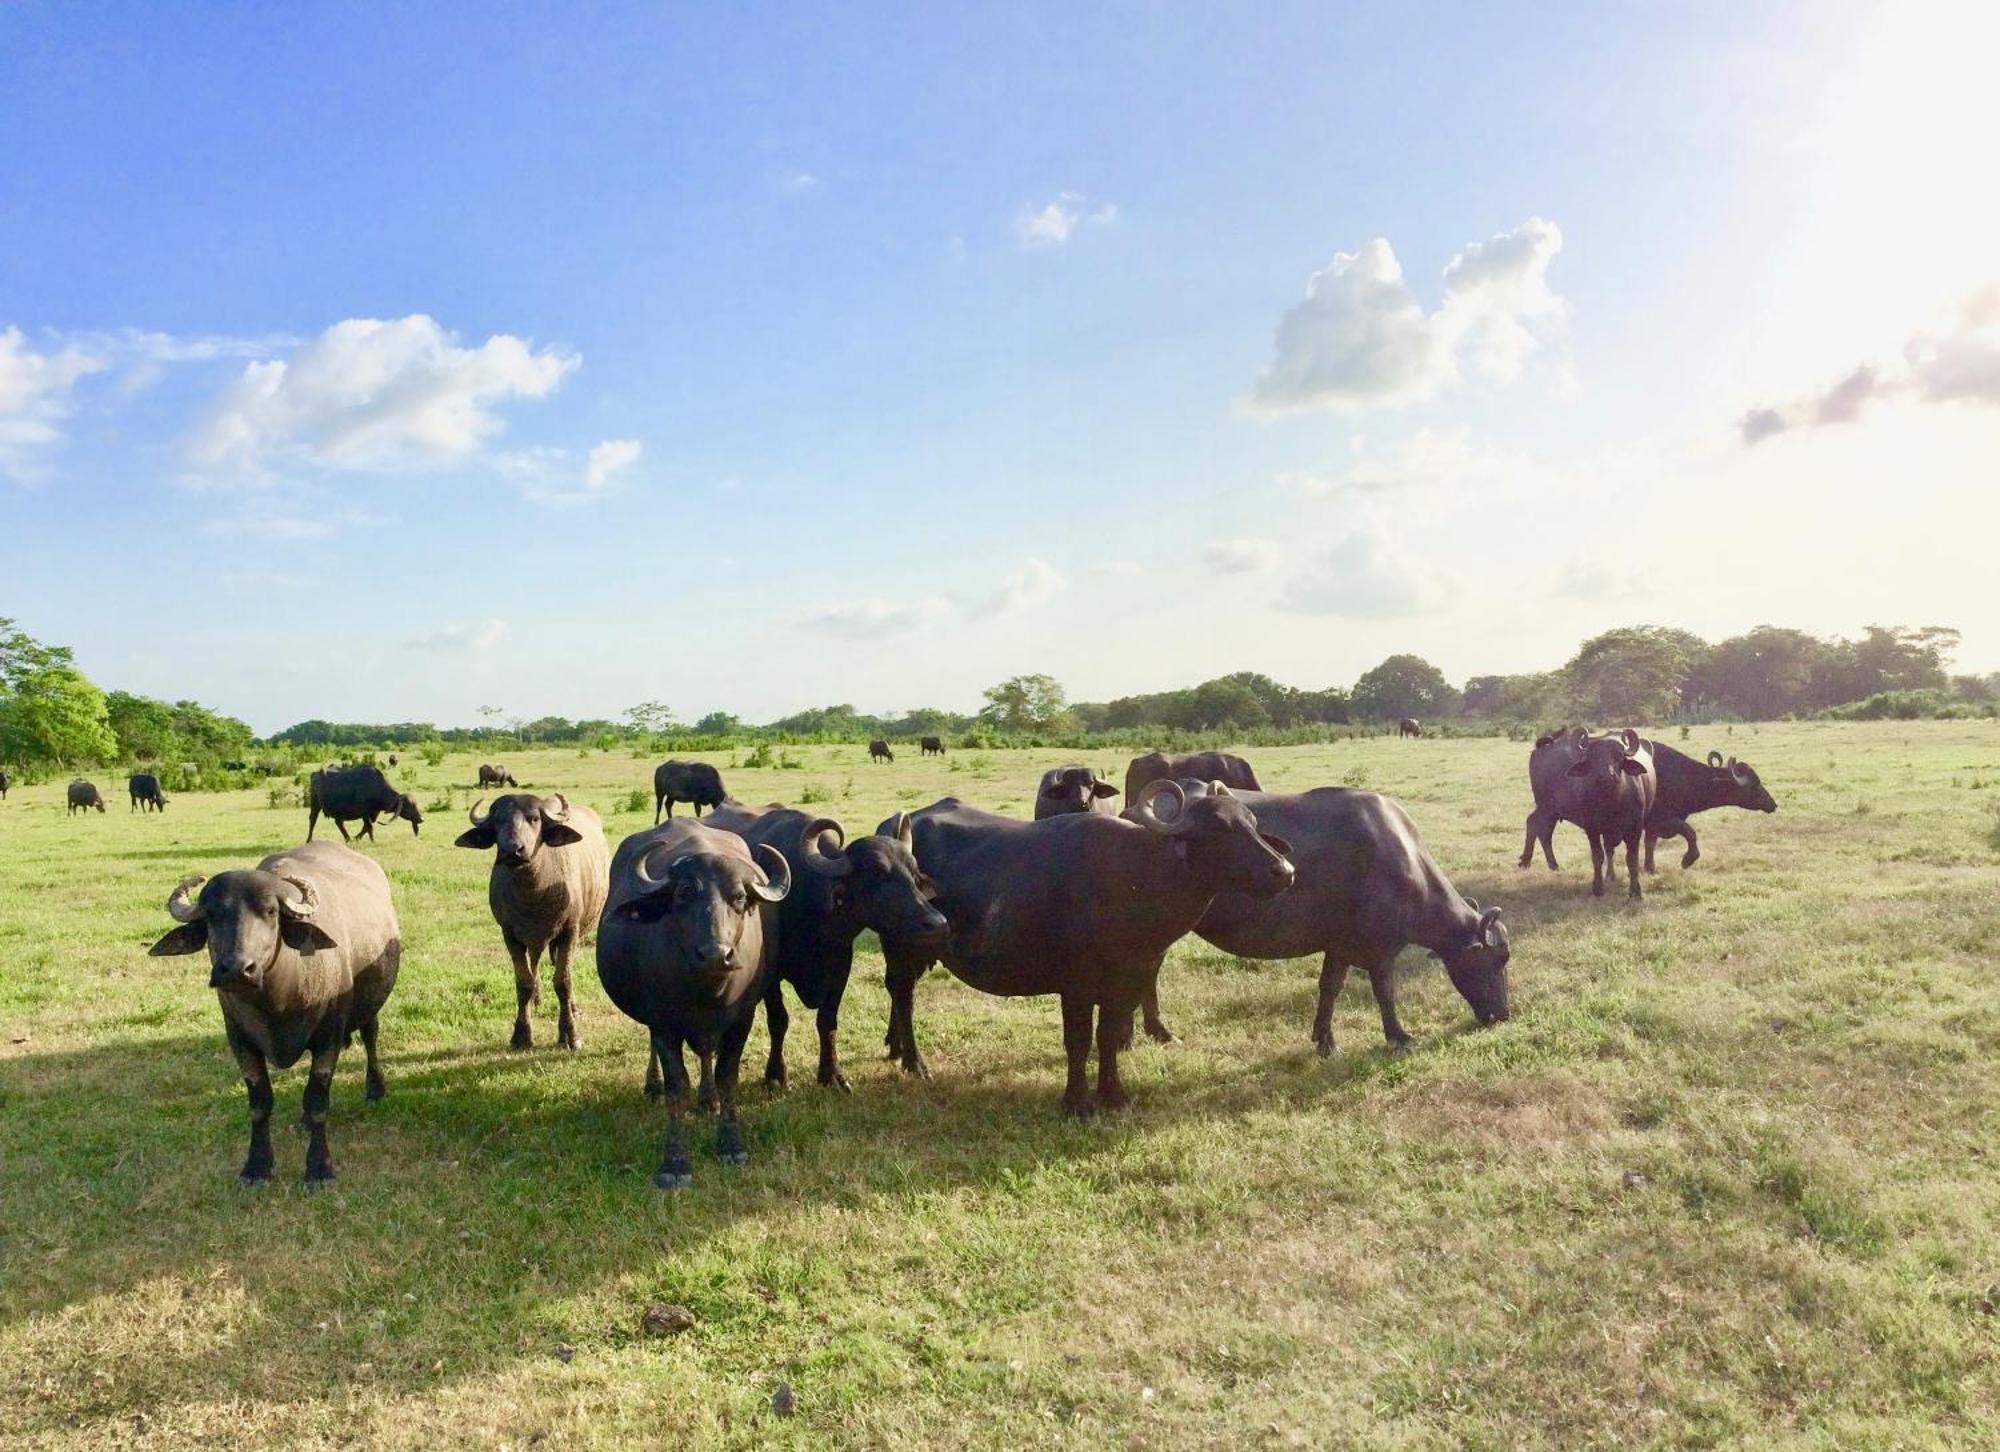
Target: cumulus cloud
pixel 551 476
pixel 460 639
pixel 1960 364
pixel 376 395
pixel 1035 584
pixel 36 394
pixel 876 619
pixel 1060 220
pixel 1360 339
pixel 1364 577
pixel 1240 556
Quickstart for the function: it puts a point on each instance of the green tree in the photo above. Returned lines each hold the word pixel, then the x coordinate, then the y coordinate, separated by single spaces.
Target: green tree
pixel 718 723
pixel 1028 704
pixel 1635 674
pixel 55 714
pixel 144 727
pixel 1403 685
pixel 1763 674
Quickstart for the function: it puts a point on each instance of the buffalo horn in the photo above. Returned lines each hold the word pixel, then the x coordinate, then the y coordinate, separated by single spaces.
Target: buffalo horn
pixel 473 812
pixel 1148 812
pixel 815 858
pixel 178 906
pixel 305 904
pixel 776 869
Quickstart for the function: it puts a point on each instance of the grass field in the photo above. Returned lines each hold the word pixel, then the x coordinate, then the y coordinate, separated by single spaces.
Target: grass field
pixel 1728 1177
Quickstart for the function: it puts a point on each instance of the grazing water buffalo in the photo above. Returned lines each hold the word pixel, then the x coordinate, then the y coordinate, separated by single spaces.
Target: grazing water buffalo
pixel 345 793
pixel 1081 905
pixel 551 871
pixel 1604 784
pixel 686 946
pixel 83 795
pixel 146 793
pixel 694 782
pixel 1367 887
pixel 1066 789
pixel 303 951
pixel 1687 787
pixel 4 784
pixel 838 888
pixel 392 758
pixel 932 746
pixel 1231 771
pixel 1409 726
pixel 879 751
pixel 493 776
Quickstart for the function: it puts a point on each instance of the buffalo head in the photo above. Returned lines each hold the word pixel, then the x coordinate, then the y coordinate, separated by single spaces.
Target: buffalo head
pixel 874 881
pixel 1478 966
pixel 710 904
pixel 1742 787
pixel 1217 837
pixel 520 825
pixel 1072 789
pixel 243 918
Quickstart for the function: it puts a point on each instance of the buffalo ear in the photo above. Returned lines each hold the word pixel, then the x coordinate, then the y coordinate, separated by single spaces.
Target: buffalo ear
pixel 1277 844
pixel 480 837
pixel 187 938
pixel 303 935
pixel 555 834
pixel 1631 767
pixel 836 896
pixel 1103 789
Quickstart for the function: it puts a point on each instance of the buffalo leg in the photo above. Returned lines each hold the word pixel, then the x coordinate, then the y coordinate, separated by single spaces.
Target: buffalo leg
pixel 777 1019
pixel 657 799
pixel 527 989
pixel 1332 978
pixel 902 979
pixel 377 1086
pixel 1149 1005
pixel 704 1098
pixel 1651 838
pixel 1382 978
pixel 828 1024
pixel 656 1082
pixel 1114 1031
pixel 676 1171
pixel 312 821
pixel 728 1063
pixel 1598 852
pixel 1077 1099
pixel 559 955
pixel 257 1083
pixel 319 1098
pixel 1632 866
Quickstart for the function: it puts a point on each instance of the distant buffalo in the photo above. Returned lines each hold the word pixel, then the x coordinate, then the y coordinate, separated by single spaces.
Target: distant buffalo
pixel 146 793
pixel 1409 726
pixel 1065 789
pixel 694 782
pixel 4 784
pixel 492 775
pixel 879 751
pixel 932 746
pixel 347 793
pixel 235 766
pixel 392 758
pixel 83 795
pixel 1231 771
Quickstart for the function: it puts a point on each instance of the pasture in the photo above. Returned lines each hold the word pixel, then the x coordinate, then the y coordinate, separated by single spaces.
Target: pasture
pixel 1727 1177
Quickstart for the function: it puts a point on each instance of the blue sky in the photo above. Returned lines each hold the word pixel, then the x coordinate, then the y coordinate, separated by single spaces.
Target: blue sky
pixel 382 362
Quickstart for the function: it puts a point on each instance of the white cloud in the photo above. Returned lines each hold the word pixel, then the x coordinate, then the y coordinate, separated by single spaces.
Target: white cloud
pixel 551 476
pixel 799 183
pixel 1365 577
pixel 373 394
pixel 1060 220
pixel 1240 556
pixel 457 639
pixel 35 398
pixel 1361 340
pixel 608 460
pixel 278 524
pixel 1033 585
pixel 876 619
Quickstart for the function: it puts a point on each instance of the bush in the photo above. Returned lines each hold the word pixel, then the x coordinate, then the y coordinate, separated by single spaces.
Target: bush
pixel 636 800
pixel 433 753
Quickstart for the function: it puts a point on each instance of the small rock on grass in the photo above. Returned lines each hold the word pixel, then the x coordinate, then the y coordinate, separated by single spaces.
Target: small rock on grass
pixel 663 1320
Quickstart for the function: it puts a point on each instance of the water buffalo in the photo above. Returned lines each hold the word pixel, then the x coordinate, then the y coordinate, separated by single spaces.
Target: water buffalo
pixel 345 793
pixel 493 776
pixel 686 947
pixel 551 871
pixel 838 888
pixel 302 952
pixel 1409 726
pixel 932 746
pixel 83 795
pixel 392 758
pixel 1604 784
pixel 1687 787
pixel 1366 888
pixel 4 784
pixel 694 782
pixel 1066 789
pixel 236 766
pixel 1082 905
pixel 879 751
pixel 1231 771
pixel 146 793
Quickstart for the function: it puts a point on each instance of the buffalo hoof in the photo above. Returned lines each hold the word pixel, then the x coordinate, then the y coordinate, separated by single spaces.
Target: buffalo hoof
pixel 1690 858
pixel 524 1037
pixel 1399 1043
pixel 775 1082
pixel 1113 1100
pixel 705 1100
pixel 1323 1045
pixel 569 1041
pixel 318 1177
pixel 667 1179
pixel 376 1090
pixel 253 1175
pixel 729 1146
pixel 655 1089
pixel 1080 1106
pixel 1527 861
pixel 834 1079
pixel 1159 1033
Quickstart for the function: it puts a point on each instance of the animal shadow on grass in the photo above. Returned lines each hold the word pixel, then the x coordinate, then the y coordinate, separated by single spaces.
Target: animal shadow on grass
pixel 254 851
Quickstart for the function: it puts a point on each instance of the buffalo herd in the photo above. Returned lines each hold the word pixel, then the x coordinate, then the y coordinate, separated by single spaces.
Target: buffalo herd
pixel 699 921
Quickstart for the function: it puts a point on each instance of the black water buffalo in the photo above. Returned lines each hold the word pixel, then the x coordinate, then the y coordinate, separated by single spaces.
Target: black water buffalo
pixel 1409 726
pixel 1231 771
pixel 83 795
pixel 1687 787
pixel 303 950
pixel 687 947
pixel 345 793
pixel 1367 887
pixel 1081 905
pixel 392 758
pixel 932 746
pixel 1065 789
pixel 146 793
pixel 879 751
pixel 694 782
pixel 493 776
pixel 4 784
pixel 235 766
pixel 1604 784
pixel 551 871
pixel 838 888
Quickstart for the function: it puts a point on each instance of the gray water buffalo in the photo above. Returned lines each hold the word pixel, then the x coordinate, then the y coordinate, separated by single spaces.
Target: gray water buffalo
pixel 1367 888
pixel 1081 905
pixel 687 947
pixel 1409 726
pixel 83 795
pixel 1687 786
pixel 838 889
pixel 146 794
pixel 302 950
pixel 494 776
pixel 4 784
pixel 551 872
pixel 1066 789
pixel 932 746
pixel 347 793
pixel 1231 771
pixel 694 782
pixel 1604 784
pixel 879 751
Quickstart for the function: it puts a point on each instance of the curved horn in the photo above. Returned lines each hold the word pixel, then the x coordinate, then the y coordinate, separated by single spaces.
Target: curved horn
pixel 1487 920
pixel 1739 773
pixel 178 906
pixel 1715 758
pixel 1631 740
pixel 308 900
pixel 906 830
pixel 1220 789
pixel 561 812
pixel 1580 735
pixel 473 812
pixel 776 869
pixel 1148 813
pixel 640 867
pixel 816 859
pixel 1472 902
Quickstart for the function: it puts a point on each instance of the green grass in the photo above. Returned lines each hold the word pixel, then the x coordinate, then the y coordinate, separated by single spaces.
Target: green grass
pixel 1727 1178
